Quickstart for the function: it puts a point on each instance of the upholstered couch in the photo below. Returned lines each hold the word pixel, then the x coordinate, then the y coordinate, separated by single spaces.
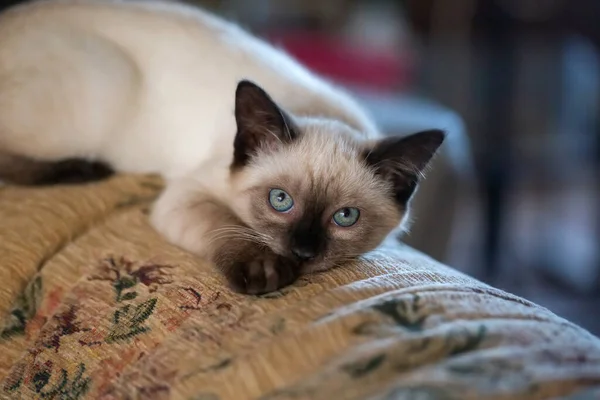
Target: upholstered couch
pixel 95 305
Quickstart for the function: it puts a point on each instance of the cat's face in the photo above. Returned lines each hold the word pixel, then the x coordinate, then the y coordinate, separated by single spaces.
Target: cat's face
pixel 320 193
pixel 316 198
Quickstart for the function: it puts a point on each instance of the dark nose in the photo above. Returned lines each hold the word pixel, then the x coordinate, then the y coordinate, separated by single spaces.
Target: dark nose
pixel 304 254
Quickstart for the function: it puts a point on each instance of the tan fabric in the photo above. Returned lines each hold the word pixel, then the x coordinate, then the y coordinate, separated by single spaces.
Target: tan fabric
pixel 95 305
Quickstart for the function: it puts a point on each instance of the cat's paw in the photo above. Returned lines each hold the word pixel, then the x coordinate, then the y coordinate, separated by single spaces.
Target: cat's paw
pixel 266 273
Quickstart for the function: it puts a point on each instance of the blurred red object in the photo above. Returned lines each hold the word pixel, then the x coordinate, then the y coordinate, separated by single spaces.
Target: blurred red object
pixel 348 63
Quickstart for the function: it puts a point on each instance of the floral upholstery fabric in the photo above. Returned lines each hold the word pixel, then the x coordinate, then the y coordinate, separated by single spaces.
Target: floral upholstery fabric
pixel 95 305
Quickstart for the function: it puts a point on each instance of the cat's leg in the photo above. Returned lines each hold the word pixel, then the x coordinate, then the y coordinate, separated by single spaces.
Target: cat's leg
pixel 198 223
pixel 28 171
pixel 252 268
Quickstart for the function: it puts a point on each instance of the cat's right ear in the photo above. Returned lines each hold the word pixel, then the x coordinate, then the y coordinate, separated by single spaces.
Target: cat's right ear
pixel 402 160
pixel 261 123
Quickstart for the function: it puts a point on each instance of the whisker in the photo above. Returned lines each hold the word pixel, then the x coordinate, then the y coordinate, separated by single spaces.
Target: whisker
pixel 238 236
pixel 235 234
pixel 237 229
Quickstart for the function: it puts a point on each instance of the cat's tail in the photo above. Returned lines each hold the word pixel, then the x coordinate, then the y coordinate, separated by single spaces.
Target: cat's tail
pixel 28 171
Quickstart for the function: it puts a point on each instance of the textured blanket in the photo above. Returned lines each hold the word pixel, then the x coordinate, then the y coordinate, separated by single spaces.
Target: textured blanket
pixel 95 305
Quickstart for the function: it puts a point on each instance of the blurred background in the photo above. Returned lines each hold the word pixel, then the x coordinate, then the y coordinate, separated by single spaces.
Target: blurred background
pixel 515 198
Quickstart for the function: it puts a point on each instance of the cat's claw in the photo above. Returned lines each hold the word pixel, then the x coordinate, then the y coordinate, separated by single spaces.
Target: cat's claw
pixel 264 275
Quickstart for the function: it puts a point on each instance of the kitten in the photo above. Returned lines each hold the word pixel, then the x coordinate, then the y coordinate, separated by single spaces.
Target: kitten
pixel 271 172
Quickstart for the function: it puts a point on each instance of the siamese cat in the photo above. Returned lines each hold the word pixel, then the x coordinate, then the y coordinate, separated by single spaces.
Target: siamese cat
pixel 271 171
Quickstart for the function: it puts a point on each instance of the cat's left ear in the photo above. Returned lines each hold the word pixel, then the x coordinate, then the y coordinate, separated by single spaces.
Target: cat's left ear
pixel 402 160
pixel 261 123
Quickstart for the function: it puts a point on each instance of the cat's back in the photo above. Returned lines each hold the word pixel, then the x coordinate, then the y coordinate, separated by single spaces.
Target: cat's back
pixel 148 70
pixel 170 43
pixel 147 85
pixel 159 37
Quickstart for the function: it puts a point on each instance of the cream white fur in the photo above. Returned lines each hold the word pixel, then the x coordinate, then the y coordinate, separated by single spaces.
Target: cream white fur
pixel 144 86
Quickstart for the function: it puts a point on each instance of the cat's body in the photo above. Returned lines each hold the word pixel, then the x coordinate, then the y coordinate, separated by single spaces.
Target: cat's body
pixel 151 87
pixel 111 80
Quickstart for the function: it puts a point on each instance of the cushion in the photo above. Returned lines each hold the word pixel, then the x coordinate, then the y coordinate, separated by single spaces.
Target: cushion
pixel 95 305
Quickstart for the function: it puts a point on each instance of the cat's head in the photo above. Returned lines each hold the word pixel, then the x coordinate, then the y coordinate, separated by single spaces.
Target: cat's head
pixel 319 190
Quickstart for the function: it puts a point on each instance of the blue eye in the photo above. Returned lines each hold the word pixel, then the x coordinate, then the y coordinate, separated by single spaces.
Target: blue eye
pixel 346 217
pixel 280 200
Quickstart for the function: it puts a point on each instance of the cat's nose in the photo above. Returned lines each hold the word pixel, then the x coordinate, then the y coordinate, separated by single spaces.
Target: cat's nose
pixel 304 254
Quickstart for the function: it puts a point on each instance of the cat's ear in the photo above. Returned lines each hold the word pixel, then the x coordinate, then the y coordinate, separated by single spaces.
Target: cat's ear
pixel 260 122
pixel 402 160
